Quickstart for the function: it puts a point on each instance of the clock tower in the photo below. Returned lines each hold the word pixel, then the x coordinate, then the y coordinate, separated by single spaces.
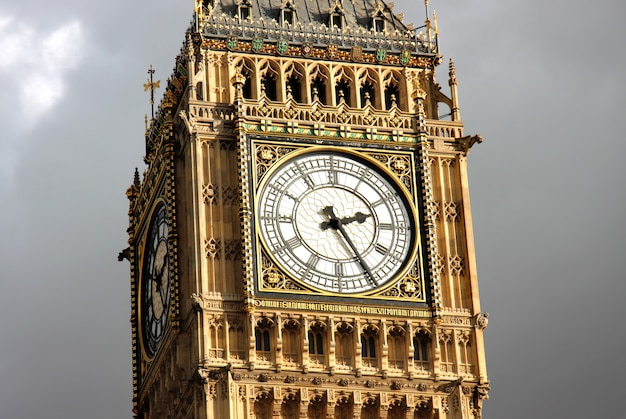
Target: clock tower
pixel 300 241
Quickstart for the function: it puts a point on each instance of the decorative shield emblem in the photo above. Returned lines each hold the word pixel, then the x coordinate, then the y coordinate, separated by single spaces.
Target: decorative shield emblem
pixel 257 44
pixel 331 50
pixel 282 46
pixel 356 53
pixel 231 43
pixel 405 57
pixel 381 54
pixel 306 49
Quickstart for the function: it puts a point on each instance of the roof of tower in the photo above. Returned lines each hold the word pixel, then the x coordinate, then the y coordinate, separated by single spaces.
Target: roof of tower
pixel 368 24
pixel 316 12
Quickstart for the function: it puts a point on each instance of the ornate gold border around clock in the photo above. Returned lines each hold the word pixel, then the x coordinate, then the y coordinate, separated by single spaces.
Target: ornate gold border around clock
pixel 399 165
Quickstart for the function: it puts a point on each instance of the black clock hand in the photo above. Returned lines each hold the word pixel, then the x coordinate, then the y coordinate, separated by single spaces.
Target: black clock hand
pixel 336 224
pixel 358 217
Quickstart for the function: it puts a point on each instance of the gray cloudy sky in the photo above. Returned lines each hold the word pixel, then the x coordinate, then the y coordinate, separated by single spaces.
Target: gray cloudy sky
pixel 542 82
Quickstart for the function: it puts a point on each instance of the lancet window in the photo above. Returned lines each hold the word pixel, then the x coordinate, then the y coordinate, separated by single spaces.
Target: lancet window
pixel 291 342
pixel 344 344
pixel 343 88
pixel 269 81
pixel 317 352
pixel 263 338
pixel 392 92
pixel 236 340
pixel 244 10
pixel 287 13
pixel 320 84
pixel 397 344
pixel 369 343
pixel 421 351
pixel 295 84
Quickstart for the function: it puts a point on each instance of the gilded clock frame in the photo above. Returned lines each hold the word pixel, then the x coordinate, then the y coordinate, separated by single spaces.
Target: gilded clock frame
pixel 398 164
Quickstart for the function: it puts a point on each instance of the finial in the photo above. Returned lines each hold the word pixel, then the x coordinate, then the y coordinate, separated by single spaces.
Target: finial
pixel 435 27
pixel 452 72
pixel 151 85
pixel 136 181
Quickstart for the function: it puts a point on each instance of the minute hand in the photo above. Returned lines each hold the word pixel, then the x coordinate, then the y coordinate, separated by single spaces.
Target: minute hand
pixel 337 224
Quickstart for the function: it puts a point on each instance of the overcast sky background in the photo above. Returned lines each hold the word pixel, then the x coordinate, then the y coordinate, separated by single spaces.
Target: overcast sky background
pixel 542 81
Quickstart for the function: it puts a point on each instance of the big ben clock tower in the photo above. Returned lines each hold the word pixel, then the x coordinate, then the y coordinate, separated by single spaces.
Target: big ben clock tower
pixel 301 241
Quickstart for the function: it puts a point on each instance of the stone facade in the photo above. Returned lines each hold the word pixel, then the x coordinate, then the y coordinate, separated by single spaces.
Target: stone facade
pixel 244 338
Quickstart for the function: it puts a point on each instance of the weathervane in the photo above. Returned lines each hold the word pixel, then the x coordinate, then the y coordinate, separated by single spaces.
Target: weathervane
pixel 151 85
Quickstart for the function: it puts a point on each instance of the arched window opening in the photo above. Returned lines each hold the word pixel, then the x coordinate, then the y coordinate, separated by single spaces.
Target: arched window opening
pixel 342 92
pixel 318 90
pixel 263 338
pixel 317 408
pixel 316 344
pixel 369 339
pixel 216 339
pixel 263 407
pixel 392 94
pixel 344 409
pixel 368 94
pixel 287 13
pixel 294 88
pixel 246 69
pixel 465 351
pixel 396 344
pixel 244 10
pixel 344 345
pixel 421 349
pixel 199 89
pixel 268 86
pixel 370 409
pixel 336 16
pixel 291 342
pixel 290 409
pixel 447 353
pixel 236 341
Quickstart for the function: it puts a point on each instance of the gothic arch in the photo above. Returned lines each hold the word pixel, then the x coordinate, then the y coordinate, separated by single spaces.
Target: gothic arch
pixel 344 88
pixel 395 85
pixel 295 82
pixel 320 83
pixel 369 88
pixel 271 81
pixel 247 68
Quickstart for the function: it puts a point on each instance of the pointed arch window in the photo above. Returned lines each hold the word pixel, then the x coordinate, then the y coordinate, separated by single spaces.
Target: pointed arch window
pixel 421 350
pixel 396 344
pixel 244 10
pixel 291 342
pixel 263 338
pixel 344 345
pixel 369 343
pixel 236 341
pixel 336 16
pixel 287 13
pixel 317 344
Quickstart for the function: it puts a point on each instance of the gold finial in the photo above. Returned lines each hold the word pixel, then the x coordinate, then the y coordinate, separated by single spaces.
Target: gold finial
pixel 435 22
pixel 151 85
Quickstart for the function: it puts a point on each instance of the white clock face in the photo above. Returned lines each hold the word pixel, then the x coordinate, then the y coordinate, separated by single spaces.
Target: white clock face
pixel 335 222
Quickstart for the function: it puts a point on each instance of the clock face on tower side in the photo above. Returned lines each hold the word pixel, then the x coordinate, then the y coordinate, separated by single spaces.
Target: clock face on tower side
pixel 336 221
pixel 155 282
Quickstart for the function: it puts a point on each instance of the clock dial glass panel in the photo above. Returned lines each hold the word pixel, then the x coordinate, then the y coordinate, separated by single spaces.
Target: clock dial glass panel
pixel 155 286
pixel 336 222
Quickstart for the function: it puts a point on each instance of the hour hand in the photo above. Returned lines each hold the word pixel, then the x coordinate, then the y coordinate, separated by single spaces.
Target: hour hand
pixel 334 222
pixel 359 217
